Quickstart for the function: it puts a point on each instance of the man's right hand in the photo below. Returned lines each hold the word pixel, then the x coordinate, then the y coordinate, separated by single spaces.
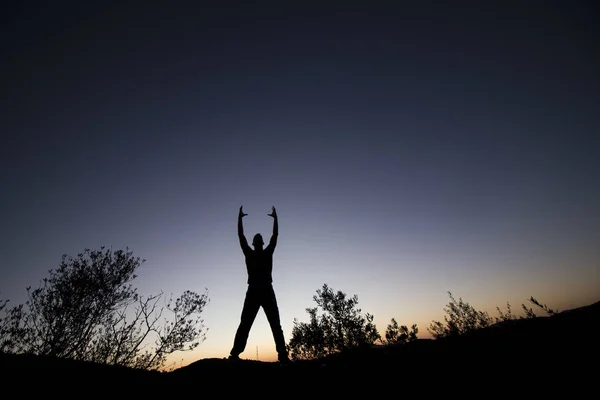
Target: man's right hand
pixel 242 214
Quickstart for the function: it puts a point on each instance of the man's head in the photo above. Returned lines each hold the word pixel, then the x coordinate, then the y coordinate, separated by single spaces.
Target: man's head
pixel 257 242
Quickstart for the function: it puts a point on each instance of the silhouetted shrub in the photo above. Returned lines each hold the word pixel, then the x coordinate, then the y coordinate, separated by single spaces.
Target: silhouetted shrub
pixel 335 325
pixel 460 318
pixel 395 334
pixel 88 310
pixel 505 315
pixel 529 313
pixel 544 307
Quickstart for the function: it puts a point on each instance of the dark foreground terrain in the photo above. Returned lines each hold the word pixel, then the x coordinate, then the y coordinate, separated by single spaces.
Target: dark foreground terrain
pixel 555 355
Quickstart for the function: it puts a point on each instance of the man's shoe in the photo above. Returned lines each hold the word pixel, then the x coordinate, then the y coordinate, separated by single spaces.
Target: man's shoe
pixel 233 357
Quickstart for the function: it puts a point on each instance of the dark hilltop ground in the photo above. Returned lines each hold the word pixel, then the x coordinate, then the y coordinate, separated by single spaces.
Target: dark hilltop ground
pixel 555 355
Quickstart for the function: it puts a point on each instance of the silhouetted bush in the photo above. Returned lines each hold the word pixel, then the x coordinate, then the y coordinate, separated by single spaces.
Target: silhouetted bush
pixel 88 310
pixel 335 325
pixel 544 307
pixel 460 318
pixel 505 315
pixel 395 334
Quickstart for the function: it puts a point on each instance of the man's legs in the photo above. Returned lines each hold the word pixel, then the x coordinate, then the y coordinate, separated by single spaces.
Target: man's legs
pixel 251 306
pixel 272 311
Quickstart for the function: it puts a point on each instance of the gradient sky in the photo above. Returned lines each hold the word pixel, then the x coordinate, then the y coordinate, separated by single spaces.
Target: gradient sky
pixel 409 150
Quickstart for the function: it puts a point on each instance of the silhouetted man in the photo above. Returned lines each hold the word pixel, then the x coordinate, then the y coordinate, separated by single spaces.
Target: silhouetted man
pixel 259 264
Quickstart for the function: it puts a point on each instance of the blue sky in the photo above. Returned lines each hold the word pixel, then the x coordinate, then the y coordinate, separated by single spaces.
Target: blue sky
pixel 409 150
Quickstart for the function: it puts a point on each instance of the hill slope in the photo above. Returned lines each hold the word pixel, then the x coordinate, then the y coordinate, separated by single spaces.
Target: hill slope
pixel 556 349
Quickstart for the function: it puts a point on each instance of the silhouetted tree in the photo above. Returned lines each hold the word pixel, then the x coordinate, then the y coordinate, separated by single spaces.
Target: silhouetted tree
pixel 9 326
pixel 3 327
pixel 460 318
pixel 88 310
pixel 395 334
pixel 335 325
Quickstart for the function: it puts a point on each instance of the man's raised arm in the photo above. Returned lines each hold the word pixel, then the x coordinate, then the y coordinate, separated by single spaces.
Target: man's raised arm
pixel 241 237
pixel 273 241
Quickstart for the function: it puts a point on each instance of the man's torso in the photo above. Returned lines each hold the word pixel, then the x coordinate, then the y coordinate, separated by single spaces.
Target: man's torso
pixel 259 265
